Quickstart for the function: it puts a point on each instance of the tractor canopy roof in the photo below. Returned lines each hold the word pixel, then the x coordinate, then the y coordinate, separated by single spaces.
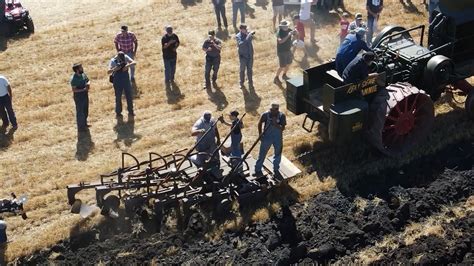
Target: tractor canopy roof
pixel 462 11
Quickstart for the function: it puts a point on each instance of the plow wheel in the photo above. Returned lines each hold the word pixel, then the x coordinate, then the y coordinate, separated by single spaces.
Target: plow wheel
pixel 401 116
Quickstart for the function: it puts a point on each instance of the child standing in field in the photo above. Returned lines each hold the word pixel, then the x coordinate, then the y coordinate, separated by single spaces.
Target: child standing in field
pixel 299 42
pixel 344 25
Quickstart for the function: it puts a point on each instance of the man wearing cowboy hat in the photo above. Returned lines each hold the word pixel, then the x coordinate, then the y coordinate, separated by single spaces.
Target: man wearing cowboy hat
pixel 285 57
pixel 245 49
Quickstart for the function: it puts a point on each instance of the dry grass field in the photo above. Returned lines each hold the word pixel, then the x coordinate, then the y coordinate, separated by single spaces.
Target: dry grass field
pixel 45 154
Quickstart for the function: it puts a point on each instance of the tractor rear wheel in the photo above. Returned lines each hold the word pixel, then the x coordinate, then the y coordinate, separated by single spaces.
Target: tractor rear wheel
pixel 400 117
pixel 469 104
pixel 388 31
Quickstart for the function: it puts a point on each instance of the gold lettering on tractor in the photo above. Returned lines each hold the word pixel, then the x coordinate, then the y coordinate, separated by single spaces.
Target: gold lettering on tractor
pixel 356 127
pixel 369 90
pixel 352 88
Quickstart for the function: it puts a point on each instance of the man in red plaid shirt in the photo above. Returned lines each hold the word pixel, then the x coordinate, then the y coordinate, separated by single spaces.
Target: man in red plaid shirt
pixel 126 41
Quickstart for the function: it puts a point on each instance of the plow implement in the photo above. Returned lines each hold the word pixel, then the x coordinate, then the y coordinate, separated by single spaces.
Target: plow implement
pixel 166 181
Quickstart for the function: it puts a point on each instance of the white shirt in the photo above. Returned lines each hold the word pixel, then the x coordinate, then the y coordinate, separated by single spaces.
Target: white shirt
pixel 3 86
pixel 305 9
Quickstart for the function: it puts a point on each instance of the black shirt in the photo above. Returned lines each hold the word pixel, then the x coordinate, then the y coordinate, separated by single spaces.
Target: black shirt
pixel 285 46
pixel 170 52
pixel 237 129
pixel 375 6
pixel 356 71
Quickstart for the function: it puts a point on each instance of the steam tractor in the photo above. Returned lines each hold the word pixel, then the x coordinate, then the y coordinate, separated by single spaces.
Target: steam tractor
pixel 394 110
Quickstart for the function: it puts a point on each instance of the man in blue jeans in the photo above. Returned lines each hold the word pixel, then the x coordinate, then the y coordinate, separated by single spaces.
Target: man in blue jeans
pixel 238 5
pixel 245 50
pixel 374 8
pixel 219 9
pixel 6 108
pixel 118 67
pixel 212 47
pixel 169 43
pixel 274 123
pixel 80 85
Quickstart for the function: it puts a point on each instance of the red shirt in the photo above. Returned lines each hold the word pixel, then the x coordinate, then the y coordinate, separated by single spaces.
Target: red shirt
pixel 344 28
pixel 125 43
pixel 300 30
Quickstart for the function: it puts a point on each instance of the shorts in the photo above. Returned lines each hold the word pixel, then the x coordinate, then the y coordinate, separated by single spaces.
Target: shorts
pixel 285 58
pixel 278 10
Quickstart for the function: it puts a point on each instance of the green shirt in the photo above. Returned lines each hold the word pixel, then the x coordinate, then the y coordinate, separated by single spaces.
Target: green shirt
pixel 79 81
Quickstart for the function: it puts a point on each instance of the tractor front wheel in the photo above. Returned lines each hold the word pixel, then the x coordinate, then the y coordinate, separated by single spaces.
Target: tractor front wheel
pixel 400 117
pixel 30 26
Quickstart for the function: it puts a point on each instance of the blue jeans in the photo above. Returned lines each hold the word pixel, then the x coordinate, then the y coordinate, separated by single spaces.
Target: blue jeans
pixel 170 69
pixel 236 7
pixel 122 84
pixel 235 145
pixel 220 11
pixel 82 108
pixel 132 68
pixel 275 139
pixel 212 63
pixel 371 28
pixel 246 64
pixel 6 111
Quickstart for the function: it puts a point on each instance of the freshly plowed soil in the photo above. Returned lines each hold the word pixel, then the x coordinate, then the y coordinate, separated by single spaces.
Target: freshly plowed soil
pixel 329 227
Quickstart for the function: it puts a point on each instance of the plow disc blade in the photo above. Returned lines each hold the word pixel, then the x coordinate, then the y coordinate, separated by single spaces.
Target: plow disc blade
pixel 82 209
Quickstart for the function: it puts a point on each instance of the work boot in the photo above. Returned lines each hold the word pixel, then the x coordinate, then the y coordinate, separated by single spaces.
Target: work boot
pixel 285 77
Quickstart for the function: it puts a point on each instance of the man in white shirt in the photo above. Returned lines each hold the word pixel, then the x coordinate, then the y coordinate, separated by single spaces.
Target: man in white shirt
pixel 6 109
pixel 306 17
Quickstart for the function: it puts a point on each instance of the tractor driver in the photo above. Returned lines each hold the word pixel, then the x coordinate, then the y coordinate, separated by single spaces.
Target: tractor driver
pixel 358 69
pixel 350 47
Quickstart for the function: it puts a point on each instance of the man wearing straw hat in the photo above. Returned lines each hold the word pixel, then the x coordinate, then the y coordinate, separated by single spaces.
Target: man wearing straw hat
pixel 285 56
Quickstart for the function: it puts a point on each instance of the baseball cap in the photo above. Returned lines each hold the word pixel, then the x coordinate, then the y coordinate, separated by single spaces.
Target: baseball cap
pixel 169 29
pixel 242 26
pixel 234 113
pixel 358 16
pixel 124 27
pixel 211 32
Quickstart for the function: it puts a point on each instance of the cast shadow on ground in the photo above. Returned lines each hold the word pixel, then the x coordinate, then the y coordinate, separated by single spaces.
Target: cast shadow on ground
pixel 252 100
pixel 6 138
pixel 262 3
pixel 16 36
pixel 173 93
pixel 216 96
pixel 249 11
pixel 125 132
pixel 361 170
pixel 84 145
pixel 135 90
pixel 188 3
pixel 223 34
pixel 409 7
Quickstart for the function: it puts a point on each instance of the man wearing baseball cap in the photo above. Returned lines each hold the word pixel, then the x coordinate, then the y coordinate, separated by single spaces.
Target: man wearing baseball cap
pixel 350 47
pixel 245 49
pixel 212 47
pixel 80 85
pixel 274 123
pixel 127 42
pixel 169 43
